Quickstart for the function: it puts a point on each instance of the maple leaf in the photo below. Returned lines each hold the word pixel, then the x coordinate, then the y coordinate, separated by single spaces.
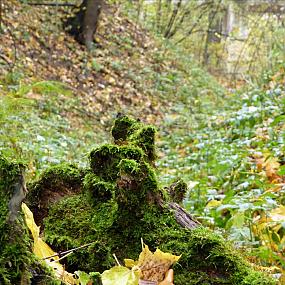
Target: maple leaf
pixel 153 266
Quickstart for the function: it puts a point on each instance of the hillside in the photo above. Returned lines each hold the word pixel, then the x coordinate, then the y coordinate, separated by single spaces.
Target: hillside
pixel 106 81
pixel 51 80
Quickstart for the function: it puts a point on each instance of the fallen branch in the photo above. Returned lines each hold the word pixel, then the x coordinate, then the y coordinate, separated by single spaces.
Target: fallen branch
pixel 183 218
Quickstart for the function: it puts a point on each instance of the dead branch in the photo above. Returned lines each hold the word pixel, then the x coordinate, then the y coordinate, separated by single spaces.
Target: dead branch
pixel 52 4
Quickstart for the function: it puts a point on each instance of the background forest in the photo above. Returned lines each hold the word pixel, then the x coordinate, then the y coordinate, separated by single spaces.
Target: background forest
pixel 209 74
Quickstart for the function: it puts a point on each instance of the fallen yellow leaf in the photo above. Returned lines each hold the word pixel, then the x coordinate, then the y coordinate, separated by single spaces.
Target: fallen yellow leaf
pixel 42 250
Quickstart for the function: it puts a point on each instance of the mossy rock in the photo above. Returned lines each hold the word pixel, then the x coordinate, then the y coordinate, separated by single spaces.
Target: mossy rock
pixel 18 265
pixel 122 202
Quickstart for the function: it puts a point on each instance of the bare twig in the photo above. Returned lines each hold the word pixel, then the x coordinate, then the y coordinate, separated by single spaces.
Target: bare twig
pixel 6 59
pixel 67 252
pixel 203 6
pixel 57 260
pixel 117 260
pixel 204 10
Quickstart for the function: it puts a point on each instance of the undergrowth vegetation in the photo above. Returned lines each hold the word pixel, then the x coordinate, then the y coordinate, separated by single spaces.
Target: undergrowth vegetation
pixel 42 123
pixel 233 159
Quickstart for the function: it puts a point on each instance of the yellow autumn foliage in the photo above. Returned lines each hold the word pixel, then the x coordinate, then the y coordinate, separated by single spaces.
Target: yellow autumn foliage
pixel 43 251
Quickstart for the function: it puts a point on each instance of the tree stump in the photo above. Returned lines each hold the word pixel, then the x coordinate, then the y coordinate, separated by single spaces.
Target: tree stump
pixel 120 201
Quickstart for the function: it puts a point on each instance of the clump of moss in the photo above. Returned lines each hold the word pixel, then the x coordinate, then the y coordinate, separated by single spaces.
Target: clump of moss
pixel 128 166
pixel 18 265
pixel 53 184
pixel 209 256
pixel 123 128
pixel 82 223
pixel 122 203
pixel 133 132
pixel 99 191
pixel 59 176
pixel 14 250
pixel 145 139
pixel 104 160
pixel 177 191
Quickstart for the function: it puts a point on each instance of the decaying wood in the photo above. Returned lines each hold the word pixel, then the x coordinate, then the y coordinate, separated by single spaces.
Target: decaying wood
pixel 182 217
pixel 19 195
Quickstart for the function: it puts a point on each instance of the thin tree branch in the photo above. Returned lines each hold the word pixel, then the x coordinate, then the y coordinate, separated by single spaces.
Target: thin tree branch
pixel 172 19
pixel 0 15
pixel 63 253
pixel 195 24
pixel 204 6
pixel 52 4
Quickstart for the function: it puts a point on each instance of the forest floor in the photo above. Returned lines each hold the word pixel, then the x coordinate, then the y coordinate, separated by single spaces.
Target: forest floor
pixel 58 101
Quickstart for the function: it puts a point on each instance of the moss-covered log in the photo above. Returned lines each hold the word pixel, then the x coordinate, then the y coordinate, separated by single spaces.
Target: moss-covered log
pixel 18 265
pixel 121 202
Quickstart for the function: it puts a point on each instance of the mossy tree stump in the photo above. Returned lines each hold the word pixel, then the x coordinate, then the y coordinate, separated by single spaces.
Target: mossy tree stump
pixel 120 202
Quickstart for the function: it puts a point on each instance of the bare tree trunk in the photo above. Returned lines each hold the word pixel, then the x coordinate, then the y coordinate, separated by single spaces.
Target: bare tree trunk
pixel 85 22
pixel 213 30
pixel 172 19
pixel 158 16
pixel 90 22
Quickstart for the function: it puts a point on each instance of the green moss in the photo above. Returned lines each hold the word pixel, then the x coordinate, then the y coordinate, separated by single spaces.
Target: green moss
pixel 145 139
pixel 131 132
pixel 149 181
pixel 98 191
pixel 53 184
pixel 123 128
pixel 58 176
pixel 58 179
pixel 14 250
pixel 18 265
pixel 104 160
pixel 177 191
pixel 208 256
pixel 128 166
pixel 105 215
pixel 81 224
pixel 256 278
